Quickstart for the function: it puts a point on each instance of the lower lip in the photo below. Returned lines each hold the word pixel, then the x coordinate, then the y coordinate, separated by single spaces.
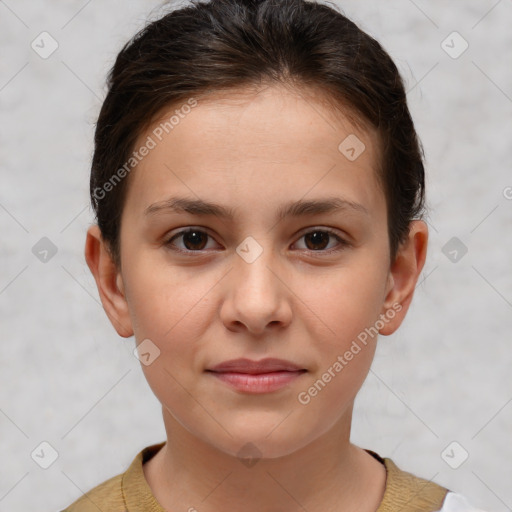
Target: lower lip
pixel 259 383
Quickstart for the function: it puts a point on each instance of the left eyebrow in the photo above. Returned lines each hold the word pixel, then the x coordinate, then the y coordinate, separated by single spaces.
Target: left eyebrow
pixel 298 208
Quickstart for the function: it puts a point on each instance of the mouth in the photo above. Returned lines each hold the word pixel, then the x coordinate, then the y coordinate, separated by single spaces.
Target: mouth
pixel 267 365
pixel 262 376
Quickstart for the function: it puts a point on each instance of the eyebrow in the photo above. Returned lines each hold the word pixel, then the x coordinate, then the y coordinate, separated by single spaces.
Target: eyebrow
pixel 293 209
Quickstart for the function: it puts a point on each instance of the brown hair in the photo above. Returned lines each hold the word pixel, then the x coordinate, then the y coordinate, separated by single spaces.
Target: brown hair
pixel 229 44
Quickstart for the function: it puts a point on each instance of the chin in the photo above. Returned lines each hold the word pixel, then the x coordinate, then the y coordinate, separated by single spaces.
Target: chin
pixel 261 442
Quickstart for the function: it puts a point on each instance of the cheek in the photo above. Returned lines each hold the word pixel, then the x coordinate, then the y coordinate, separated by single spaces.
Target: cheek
pixel 348 309
pixel 166 314
pixel 170 309
pixel 345 303
pixel 161 299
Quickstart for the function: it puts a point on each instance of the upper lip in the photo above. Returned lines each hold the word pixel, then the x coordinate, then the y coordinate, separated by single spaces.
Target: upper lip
pixel 254 367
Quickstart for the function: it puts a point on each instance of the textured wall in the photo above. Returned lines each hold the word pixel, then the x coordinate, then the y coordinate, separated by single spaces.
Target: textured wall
pixel 68 379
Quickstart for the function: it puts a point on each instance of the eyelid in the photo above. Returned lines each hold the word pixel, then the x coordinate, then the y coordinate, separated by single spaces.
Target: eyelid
pixel 342 240
pixel 169 238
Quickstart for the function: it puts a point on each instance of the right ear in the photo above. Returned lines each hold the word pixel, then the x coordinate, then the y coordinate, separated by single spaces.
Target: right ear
pixel 109 282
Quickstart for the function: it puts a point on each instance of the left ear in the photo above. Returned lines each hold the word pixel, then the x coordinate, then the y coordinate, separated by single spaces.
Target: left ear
pixel 403 276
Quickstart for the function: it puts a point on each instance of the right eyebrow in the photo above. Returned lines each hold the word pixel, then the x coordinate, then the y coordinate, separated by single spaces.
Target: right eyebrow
pixel 294 208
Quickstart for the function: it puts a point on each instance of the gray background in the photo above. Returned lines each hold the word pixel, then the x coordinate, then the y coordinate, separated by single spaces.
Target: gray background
pixel 67 377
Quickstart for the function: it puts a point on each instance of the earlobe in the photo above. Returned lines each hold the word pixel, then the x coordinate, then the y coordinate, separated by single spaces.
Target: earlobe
pixel 108 281
pixel 404 274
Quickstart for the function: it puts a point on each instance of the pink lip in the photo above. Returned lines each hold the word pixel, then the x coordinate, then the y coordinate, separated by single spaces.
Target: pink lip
pixel 266 365
pixel 262 376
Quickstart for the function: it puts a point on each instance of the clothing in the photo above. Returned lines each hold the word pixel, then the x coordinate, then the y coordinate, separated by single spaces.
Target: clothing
pixel 130 492
pixel 455 502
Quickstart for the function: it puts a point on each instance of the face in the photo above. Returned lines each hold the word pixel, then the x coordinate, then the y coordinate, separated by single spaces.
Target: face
pixel 291 262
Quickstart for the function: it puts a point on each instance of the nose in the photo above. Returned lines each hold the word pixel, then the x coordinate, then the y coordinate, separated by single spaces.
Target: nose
pixel 256 296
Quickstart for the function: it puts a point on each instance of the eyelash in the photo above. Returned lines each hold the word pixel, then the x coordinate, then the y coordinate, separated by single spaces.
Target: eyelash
pixel 342 242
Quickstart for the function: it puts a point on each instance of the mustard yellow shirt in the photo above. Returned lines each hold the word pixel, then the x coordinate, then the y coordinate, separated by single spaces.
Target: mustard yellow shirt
pixel 130 492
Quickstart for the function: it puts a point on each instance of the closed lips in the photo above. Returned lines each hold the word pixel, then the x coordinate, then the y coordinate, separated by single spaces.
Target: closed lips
pixel 268 365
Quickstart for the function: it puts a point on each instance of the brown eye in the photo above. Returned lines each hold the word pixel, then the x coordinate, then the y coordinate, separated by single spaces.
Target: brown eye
pixel 318 240
pixel 192 240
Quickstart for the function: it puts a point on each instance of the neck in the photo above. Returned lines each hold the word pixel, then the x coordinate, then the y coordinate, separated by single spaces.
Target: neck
pixel 328 474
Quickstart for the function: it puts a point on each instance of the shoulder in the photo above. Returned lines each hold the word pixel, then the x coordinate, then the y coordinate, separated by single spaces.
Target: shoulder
pixel 406 491
pixel 123 492
pixel 410 492
pixel 105 496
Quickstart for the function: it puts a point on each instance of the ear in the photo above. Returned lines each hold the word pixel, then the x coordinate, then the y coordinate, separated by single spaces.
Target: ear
pixel 403 276
pixel 109 282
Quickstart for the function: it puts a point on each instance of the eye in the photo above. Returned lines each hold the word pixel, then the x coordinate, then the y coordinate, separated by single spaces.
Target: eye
pixel 317 240
pixel 194 240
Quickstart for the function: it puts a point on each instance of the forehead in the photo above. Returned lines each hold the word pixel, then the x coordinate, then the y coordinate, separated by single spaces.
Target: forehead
pixel 262 143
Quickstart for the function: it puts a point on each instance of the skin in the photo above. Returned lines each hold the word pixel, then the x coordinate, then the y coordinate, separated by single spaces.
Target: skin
pixel 253 152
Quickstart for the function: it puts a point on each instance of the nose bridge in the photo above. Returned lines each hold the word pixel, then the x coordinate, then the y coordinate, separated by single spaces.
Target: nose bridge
pixel 252 266
pixel 256 297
